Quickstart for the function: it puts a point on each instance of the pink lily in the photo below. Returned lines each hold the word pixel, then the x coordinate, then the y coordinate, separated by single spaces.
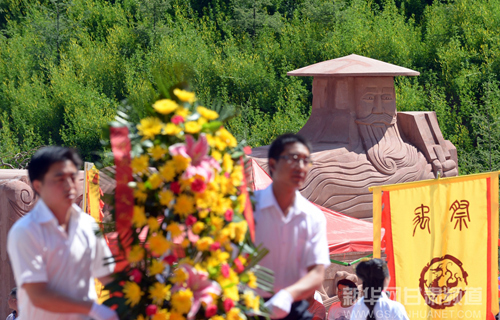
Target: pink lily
pixel 201 163
pixel 201 286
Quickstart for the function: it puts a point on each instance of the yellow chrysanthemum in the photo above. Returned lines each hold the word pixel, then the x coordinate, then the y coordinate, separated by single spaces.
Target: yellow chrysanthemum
pixel 167 171
pixel 183 112
pixel 203 213
pixel 165 106
pixel 161 314
pixel 139 218
pixel 140 196
pixel 156 267
pixel 185 96
pixel 234 314
pixel 140 164
pixel 252 280
pixel 201 121
pixel 237 176
pixel 251 301
pixel 185 243
pixel 166 197
pixel 153 224
pixel 217 318
pixel 204 243
pixel 210 140
pixel 224 235
pixel 231 292
pixel 217 222
pixel 155 181
pixel 216 155
pixel 176 316
pixel 180 163
pixel 192 127
pixel 157 152
pixel 198 227
pixel 184 205
pixel 174 229
pixel 227 137
pixel 159 292
pixel 171 129
pixel 238 230
pixel 180 276
pixel 132 293
pixel 220 256
pixel 207 113
pixel 135 254
pixel 149 127
pixel 158 244
pixel 182 300
pixel 140 317
pixel 227 163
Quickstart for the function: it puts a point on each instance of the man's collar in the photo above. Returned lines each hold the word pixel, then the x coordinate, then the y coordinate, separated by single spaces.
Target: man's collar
pixel 267 199
pixel 44 214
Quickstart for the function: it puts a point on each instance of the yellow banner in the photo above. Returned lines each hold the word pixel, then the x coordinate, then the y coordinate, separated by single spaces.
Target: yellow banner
pixel 441 245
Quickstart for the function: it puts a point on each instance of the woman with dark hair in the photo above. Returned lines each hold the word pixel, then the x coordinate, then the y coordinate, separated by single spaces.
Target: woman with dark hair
pixel 375 304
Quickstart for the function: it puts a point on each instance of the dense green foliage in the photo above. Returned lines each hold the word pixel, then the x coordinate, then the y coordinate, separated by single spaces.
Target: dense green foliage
pixel 67 65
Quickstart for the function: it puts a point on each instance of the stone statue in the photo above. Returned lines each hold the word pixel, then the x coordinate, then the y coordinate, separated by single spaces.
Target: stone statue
pixel 360 140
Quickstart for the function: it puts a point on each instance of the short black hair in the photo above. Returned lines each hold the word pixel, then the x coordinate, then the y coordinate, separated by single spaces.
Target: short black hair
pixel 45 157
pixel 13 293
pixel 279 144
pixel 347 282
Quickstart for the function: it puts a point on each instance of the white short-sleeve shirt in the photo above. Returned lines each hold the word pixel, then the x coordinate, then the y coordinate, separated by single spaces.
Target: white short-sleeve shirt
pixel 295 242
pixel 385 309
pixel 41 251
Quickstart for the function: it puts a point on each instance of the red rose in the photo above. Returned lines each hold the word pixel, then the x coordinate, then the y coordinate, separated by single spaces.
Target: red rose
pixel 229 215
pixel 190 220
pixel 210 311
pixel 175 187
pixel 198 185
pixel 178 119
pixel 224 269
pixel 239 266
pixel 215 246
pixel 228 304
pixel 151 310
pixel 136 275
pixel 170 259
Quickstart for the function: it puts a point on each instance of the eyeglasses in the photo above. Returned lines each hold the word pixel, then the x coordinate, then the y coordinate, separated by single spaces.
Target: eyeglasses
pixel 295 159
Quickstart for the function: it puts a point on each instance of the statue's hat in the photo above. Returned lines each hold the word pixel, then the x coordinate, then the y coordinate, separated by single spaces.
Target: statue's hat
pixel 353 66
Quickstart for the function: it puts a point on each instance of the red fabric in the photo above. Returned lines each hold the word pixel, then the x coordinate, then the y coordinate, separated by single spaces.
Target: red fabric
pixel 124 196
pixel 248 211
pixel 344 234
pixel 489 314
pixel 389 251
pixel 317 310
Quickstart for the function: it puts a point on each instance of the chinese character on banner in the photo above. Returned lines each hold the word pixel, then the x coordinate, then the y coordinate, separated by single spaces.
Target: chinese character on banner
pixel 460 213
pixel 421 220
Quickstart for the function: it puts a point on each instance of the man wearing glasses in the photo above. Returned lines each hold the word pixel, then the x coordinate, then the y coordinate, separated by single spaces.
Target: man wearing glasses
pixel 292 228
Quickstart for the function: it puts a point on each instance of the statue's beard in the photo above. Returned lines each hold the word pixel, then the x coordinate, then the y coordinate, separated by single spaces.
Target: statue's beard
pixel 384 147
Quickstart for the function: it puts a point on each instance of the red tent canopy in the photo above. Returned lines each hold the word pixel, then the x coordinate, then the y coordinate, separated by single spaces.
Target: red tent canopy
pixel 344 234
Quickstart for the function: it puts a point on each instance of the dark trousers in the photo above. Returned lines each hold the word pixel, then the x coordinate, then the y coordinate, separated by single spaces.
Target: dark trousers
pixel 297 312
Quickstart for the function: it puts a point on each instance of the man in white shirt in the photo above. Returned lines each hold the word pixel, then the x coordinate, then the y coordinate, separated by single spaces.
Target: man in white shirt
pixel 347 293
pixel 292 228
pixel 53 250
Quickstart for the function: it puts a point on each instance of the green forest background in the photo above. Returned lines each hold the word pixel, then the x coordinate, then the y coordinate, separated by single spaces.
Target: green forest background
pixel 67 65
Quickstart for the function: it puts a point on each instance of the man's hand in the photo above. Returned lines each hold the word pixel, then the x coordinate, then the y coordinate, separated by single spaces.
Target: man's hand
pixel 101 312
pixel 279 305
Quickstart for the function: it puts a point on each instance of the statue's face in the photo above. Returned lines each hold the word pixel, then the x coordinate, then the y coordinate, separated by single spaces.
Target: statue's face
pixel 375 96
